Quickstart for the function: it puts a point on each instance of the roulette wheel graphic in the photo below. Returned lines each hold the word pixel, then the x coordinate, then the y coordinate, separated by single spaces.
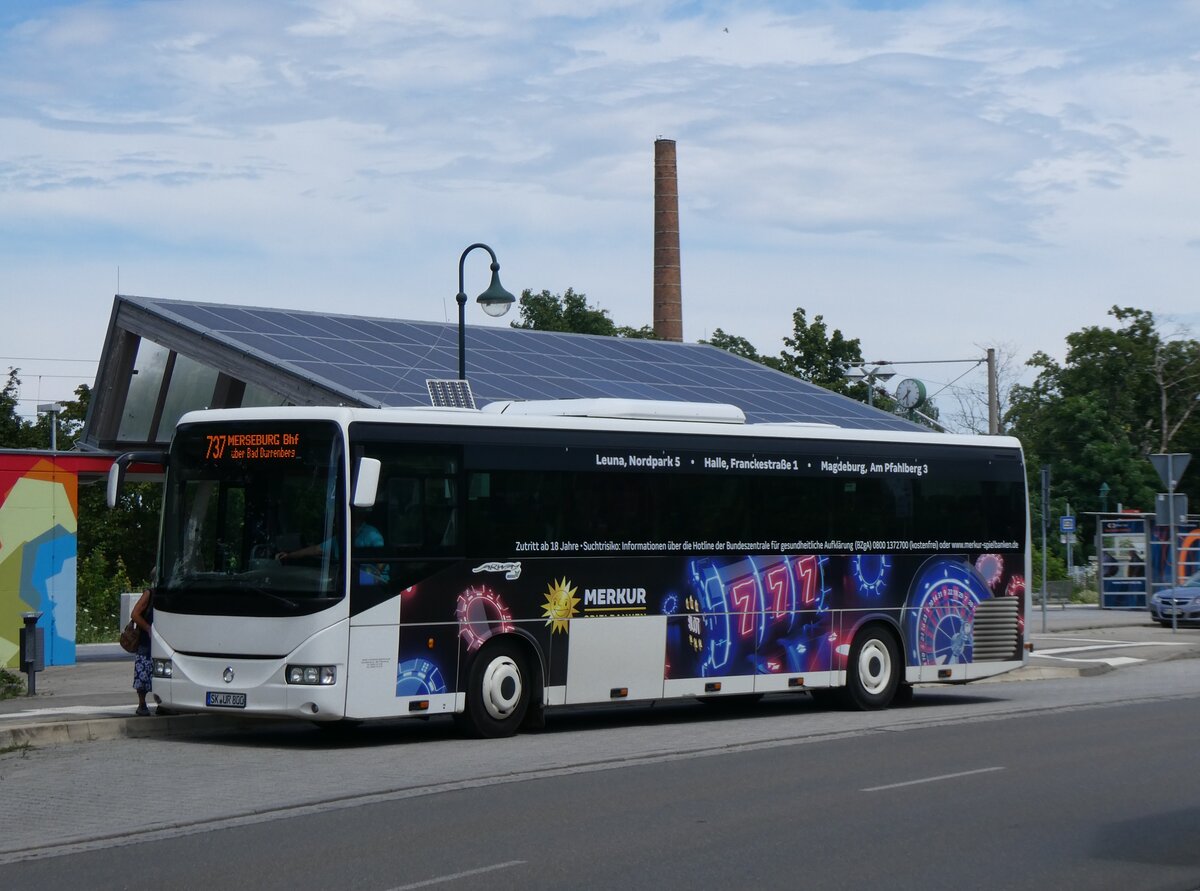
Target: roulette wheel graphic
pixel 941 612
pixel 481 613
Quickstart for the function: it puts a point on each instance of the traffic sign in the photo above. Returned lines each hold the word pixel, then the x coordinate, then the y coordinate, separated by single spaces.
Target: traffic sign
pixel 1066 525
pixel 1170 467
pixel 1163 504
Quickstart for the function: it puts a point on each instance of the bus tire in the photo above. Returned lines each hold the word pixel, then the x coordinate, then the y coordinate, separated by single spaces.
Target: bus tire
pixel 874 670
pixel 497 690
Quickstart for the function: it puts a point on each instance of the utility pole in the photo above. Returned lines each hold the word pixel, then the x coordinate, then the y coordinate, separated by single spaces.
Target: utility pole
pixel 1045 523
pixel 993 394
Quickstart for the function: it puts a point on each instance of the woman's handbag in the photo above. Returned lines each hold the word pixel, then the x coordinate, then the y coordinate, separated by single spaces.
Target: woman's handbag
pixel 130 637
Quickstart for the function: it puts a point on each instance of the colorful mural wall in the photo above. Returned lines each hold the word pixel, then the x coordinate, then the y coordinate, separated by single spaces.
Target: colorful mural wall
pixel 39 512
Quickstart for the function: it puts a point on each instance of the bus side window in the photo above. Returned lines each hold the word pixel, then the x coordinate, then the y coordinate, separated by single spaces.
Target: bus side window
pixel 442 503
pixel 404 512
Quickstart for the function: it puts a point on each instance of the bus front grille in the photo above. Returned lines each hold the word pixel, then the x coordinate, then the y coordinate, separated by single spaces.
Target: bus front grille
pixel 996 631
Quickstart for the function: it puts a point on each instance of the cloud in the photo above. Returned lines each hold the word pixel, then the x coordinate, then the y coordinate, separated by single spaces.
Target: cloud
pixel 1012 151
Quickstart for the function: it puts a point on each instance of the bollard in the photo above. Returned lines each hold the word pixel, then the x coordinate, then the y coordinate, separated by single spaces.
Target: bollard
pixel 33 651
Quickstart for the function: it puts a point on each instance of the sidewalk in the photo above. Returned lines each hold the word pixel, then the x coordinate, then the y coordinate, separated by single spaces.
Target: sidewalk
pixel 94 699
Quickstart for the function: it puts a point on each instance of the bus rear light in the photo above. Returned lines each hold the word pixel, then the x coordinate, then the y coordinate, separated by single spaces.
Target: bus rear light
pixel 163 668
pixel 795 682
pixel 945 673
pixel 712 687
pixel 618 692
pixel 421 705
pixel 312 675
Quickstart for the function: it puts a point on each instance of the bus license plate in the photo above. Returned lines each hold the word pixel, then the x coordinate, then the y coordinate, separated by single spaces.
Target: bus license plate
pixel 225 700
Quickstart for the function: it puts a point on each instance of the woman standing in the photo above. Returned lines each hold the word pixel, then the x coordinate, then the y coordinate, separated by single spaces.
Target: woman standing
pixel 143 668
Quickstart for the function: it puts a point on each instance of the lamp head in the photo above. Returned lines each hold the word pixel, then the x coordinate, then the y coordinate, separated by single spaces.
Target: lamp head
pixel 495 301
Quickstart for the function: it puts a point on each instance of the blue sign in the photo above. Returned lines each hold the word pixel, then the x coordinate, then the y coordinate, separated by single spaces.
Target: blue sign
pixel 1066 524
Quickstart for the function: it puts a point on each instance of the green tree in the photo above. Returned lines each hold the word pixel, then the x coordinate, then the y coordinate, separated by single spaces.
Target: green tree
pixel 126 536
pixel 571 312
pixel 98 605
pixel 1122 394
pixel 15 431
pixel 813 353
pixel 739 346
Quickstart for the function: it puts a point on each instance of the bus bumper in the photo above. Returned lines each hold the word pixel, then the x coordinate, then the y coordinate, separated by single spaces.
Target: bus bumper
pixel 233 686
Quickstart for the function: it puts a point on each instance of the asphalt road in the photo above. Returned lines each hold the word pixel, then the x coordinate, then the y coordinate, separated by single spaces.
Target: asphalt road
pixel 1081 783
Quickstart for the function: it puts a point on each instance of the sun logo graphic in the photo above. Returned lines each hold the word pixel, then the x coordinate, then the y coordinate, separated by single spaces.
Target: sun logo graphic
pixel 560 605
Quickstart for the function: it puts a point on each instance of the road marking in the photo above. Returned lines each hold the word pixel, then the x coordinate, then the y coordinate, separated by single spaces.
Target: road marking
pixel 945 776
pixel 1106 640
pixel 453 877
pixel 1111 661
pixel 1091 645
pixel 1114 645
pixel 111 711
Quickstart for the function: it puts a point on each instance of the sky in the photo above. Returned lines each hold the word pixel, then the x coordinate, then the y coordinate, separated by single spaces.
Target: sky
pixel 933 178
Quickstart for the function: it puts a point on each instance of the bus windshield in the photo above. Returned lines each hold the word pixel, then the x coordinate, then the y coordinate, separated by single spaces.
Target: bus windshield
pixel 242 496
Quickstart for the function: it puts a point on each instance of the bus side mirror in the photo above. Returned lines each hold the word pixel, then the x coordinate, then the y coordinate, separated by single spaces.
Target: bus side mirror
pixel 116 473
pixel 367 485
pixel 116 477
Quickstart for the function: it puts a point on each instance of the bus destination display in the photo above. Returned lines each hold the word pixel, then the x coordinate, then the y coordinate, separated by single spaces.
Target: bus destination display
pixel 251 446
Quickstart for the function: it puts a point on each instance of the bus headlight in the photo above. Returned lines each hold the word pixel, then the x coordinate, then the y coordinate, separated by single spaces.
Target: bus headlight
pixel 312 675
pixel 162 668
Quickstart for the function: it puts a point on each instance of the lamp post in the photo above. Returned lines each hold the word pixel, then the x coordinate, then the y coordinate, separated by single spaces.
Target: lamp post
pixel 495 302
pixel 53 409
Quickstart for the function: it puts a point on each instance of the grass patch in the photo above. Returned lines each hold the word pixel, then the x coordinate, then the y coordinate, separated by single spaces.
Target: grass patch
pixel 11 684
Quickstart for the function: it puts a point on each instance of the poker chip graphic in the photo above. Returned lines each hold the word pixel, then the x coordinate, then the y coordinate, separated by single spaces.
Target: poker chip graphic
pixel 419 677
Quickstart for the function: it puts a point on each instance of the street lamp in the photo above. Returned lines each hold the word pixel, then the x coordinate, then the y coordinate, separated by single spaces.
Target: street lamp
pixel 495 302
pixel 53 409
pixel 879 371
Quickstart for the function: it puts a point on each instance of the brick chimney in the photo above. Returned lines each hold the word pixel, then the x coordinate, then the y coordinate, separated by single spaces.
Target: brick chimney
pixel 668 296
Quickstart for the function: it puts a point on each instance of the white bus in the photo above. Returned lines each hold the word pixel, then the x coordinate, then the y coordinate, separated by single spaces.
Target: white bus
pixel 349 564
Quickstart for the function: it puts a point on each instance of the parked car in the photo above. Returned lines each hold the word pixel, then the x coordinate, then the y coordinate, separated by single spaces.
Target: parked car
pixel 1181 603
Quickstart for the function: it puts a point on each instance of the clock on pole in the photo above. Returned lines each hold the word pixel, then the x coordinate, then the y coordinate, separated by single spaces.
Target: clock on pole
pixel 910 394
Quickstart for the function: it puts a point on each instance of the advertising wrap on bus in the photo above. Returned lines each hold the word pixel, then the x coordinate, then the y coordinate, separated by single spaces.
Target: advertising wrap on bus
pixel 722 616
pixel 351 564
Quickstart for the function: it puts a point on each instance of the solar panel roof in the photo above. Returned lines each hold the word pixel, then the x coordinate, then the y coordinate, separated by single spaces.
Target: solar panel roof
pixel 386 362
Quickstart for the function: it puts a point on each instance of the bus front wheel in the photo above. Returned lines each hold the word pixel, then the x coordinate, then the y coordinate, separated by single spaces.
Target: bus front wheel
pixel 874 669
pixel 497 691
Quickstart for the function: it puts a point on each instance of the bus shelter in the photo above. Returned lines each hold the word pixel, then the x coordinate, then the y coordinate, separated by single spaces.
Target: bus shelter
pixel 1135 557
pixel 1123 546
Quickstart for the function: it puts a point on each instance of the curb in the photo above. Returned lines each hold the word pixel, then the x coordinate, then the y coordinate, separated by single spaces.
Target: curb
pixel 103 729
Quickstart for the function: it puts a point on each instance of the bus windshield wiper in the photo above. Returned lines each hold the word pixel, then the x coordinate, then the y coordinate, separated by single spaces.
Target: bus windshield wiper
pixel 271 595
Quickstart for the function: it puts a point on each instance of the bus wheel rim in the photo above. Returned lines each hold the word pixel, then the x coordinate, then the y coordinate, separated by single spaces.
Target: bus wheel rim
pixel 501 687
pixel 875 667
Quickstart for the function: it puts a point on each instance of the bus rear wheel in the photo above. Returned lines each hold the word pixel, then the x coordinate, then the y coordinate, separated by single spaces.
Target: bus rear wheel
pixel 497 691
pixel 874 670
